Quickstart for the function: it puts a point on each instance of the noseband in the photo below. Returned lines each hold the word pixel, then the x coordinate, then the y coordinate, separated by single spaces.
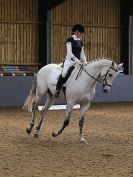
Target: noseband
pixel 103 79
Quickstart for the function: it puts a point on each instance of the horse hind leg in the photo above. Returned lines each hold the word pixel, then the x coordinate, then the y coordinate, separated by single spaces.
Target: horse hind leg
pixel 69 108
pixel 37 99
pixel 48 104
pixel 29 129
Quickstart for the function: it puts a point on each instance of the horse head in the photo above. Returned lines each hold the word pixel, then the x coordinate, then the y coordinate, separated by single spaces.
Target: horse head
pixel 108 74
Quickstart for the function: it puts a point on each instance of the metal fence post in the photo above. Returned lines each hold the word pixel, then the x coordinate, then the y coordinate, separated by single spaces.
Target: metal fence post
pixel 130 45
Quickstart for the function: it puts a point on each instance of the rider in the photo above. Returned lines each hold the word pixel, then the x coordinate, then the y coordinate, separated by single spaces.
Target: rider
pixel 75 53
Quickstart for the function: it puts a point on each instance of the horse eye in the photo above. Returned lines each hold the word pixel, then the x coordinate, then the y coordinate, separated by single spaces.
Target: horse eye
pixel 110 75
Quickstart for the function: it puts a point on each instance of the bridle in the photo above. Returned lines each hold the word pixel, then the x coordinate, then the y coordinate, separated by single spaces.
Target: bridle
pixel 103 79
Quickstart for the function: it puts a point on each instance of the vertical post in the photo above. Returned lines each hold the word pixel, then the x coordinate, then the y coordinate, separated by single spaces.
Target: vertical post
pixel 130 66
pixel 124 34
pixel 42 16
pixel 48 36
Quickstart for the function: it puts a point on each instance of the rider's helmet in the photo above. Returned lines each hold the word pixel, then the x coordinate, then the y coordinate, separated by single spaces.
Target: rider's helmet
pixel 78 27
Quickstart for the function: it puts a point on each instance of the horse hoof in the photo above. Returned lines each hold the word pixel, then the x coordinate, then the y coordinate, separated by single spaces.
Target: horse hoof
pixel 36 136
pixel 54 134
pixel 83 141
pixel 28 130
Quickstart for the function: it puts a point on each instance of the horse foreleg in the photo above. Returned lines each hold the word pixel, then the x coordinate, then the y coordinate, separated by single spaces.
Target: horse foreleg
pixel 83 109
pixel 66 120
pixel 29 129
pixel 48 104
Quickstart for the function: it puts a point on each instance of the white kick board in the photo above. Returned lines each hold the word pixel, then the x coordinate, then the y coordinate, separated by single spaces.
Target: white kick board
pixel 59 107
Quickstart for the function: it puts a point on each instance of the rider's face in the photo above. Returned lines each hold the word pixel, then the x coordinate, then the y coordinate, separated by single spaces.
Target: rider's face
pixel 78 34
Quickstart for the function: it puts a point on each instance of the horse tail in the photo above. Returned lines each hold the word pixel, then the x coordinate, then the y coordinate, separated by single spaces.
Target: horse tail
pixel 31 98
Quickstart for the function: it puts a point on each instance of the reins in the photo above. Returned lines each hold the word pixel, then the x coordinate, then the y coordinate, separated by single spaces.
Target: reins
pixel 101 80
pixel 80 71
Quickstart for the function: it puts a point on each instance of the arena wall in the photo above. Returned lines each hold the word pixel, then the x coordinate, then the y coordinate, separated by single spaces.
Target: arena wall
pixel 102 21
pixel 19 25
pixel 14 90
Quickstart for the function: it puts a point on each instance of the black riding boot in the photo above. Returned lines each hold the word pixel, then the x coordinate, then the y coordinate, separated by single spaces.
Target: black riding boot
pixel 60 82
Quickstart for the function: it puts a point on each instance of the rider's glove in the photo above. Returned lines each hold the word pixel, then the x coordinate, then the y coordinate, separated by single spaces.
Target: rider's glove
pixel 84 61
pixel 77 60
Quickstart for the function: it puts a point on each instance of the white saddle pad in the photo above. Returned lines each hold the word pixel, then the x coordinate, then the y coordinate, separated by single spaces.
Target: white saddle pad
pixel 53 78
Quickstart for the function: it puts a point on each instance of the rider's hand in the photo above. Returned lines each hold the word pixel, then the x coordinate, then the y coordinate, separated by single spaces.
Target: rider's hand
pixel 77 60
pixel 84 61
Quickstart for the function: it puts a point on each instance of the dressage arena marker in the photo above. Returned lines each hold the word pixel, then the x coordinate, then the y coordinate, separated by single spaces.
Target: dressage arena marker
pixel 59 107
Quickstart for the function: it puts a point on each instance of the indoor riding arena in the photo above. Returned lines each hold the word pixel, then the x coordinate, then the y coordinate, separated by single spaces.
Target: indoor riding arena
pixel 108 129
pixel 33 34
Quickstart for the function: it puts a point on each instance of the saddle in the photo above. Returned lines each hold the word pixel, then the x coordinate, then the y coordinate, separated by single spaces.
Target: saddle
pixel 57 72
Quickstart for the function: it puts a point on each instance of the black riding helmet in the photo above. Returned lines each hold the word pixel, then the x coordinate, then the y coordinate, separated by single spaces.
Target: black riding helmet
pixel 78 27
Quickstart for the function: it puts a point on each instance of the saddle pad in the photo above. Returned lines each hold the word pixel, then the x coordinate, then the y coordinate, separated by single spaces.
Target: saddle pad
pixel 53 78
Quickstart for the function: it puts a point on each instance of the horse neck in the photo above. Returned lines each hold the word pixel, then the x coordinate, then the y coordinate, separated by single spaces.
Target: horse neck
pixel 94 71
pixel 95 68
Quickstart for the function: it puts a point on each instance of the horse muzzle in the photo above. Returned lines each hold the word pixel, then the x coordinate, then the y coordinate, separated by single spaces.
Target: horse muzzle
pixel 106 89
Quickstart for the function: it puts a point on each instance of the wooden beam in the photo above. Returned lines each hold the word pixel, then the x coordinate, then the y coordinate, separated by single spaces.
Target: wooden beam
pixel 124 34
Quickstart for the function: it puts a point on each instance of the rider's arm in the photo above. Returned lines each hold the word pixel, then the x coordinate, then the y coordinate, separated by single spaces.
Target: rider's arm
pixel 70 54
pixel 69 50
pixel 83 57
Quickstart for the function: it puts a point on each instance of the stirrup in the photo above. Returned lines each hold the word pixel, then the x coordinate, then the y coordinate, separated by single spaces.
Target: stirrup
pixel 56 94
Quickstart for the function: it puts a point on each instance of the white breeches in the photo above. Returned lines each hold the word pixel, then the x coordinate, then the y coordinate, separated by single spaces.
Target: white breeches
pixel 67 64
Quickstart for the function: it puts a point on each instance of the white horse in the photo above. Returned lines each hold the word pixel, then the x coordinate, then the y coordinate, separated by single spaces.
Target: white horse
pixel 80 89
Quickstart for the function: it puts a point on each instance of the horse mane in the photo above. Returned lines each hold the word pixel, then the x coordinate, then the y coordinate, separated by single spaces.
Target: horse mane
pixel 100 58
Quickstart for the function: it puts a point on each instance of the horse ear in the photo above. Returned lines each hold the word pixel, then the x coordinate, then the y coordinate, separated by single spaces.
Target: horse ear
pixel 120 66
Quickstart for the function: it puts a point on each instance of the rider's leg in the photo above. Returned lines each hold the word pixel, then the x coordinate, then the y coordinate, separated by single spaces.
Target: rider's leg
pixel 67 70
pixel 61 81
